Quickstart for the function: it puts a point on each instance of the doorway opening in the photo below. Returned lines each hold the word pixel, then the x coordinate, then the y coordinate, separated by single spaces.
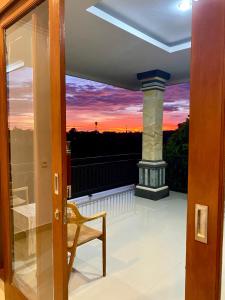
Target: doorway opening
pixel 127 54
pixel 112 70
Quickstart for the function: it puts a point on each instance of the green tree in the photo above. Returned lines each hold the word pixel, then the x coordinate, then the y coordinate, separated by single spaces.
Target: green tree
pixel 176 155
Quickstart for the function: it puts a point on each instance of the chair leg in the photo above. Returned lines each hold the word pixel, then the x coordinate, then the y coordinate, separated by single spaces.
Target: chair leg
pixel 104 256
pixel 71 261
pixel 73 252
pixel 104 248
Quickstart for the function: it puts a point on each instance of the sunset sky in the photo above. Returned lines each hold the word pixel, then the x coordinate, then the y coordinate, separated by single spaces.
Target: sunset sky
pixel 114 109
pixel 117 109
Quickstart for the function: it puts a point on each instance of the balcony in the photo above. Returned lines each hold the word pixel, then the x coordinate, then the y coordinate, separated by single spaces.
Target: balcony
pixel 90 175
pixel 145 248
pixel 95 174
pixel 140 232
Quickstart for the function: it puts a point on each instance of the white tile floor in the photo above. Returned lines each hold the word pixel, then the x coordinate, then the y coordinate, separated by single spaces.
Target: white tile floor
pixel 145 252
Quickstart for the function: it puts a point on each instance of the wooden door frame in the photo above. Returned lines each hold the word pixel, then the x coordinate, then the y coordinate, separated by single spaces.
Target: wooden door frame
pixel 58 88
pixel 10 11
pixel 206 155
pixel 206 149
pixel 4 4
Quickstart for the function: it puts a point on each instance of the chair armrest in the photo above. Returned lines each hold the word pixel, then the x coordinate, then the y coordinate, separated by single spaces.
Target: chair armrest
pixel 79 219
pixel 95 217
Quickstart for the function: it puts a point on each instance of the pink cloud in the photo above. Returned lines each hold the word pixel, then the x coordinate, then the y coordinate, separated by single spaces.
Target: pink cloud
pixel 114 108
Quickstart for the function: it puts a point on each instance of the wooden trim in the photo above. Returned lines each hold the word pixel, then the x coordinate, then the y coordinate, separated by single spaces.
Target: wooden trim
pixel 2 274
pixel 12 293
pixel 206 150
pixel 1 247
pixel 16 12
pixel 57 71
pixel 25 287
pixel 4 166
pixel 5 4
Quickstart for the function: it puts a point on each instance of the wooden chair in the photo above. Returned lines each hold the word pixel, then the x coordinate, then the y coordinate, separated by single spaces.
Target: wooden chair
pixel 79 234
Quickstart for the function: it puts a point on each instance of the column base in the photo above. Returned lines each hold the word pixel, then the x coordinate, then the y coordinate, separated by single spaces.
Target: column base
pixel 152 180
pixel 152 194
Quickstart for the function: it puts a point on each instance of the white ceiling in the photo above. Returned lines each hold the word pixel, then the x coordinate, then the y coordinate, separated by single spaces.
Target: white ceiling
pixel 158 18
pixel 101 51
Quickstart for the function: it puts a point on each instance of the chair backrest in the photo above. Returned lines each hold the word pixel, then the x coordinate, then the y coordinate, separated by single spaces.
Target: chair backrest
pixel 73 214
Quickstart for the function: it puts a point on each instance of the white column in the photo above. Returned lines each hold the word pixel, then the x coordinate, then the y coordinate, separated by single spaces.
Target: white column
pixel 152 125
pixel 152 167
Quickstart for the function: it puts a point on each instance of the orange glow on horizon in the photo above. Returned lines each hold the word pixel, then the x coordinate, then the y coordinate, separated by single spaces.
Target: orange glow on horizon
pixel 115 128
pixel 169 127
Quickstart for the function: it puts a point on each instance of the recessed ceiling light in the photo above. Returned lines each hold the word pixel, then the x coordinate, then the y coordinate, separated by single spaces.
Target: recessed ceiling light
pixel 185 5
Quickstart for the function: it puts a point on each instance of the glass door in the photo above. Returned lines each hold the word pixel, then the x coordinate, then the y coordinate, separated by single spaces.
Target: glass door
pixel 35 157
pixel 29 123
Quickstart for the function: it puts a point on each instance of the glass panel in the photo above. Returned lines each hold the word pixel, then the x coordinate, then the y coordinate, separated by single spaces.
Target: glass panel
pixel 29 111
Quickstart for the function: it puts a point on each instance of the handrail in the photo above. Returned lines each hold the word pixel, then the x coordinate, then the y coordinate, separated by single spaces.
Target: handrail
pixel 104 156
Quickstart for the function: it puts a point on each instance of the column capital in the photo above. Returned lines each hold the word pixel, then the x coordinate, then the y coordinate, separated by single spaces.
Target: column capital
pixel 153 80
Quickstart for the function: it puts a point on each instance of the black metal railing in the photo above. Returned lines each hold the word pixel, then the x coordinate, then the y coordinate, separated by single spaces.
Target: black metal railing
pixel 95 174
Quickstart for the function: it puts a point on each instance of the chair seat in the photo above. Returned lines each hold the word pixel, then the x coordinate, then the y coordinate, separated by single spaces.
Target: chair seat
pixel 86 234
